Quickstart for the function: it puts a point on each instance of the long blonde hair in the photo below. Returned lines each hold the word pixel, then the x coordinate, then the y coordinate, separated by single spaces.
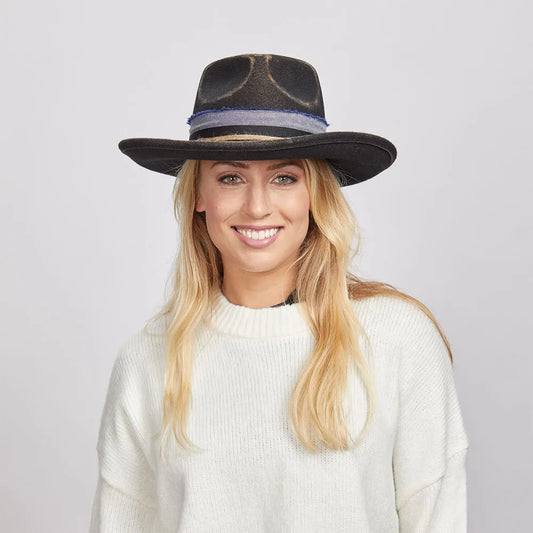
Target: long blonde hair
pixel 324 288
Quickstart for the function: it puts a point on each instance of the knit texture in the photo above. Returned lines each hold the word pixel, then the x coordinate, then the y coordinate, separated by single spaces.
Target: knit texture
pixel 253 475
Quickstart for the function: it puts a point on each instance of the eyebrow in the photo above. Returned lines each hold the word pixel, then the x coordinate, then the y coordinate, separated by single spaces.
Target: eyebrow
pixel 240 164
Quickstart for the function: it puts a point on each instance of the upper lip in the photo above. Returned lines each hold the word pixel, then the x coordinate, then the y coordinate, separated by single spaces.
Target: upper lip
pixel 257 228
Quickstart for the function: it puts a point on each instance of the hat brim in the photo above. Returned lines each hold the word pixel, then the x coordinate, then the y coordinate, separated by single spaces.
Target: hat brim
pixel 356 156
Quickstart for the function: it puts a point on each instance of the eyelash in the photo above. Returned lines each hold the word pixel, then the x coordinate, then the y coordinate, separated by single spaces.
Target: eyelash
pixel 294 180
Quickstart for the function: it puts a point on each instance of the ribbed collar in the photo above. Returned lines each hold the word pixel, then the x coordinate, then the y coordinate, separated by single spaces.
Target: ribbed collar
pixel 241 321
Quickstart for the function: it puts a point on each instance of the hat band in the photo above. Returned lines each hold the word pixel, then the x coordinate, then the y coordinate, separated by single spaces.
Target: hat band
pixel 281 118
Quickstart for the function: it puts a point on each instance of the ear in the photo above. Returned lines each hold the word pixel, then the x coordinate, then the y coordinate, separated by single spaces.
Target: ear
pixel 200 204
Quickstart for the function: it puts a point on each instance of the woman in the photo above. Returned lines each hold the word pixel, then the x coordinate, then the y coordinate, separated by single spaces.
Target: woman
pixel 275 391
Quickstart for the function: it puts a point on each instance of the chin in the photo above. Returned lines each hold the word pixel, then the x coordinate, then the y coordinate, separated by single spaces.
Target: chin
pixel 262 266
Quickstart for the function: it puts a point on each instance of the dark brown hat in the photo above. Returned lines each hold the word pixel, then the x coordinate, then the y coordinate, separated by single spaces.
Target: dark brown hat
pixel 264 95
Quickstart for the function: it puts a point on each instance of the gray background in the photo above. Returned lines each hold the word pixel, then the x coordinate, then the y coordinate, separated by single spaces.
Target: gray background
pixel 88 236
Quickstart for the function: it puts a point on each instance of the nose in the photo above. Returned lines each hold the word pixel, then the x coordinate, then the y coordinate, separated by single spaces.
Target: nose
pixel 257 201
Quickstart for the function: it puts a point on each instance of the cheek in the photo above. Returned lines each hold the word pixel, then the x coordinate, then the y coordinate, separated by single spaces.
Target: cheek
pixel 300 205
pixel 217 211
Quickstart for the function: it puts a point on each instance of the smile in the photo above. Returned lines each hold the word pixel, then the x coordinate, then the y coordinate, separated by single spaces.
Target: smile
pixel 258 235
pixel 257 238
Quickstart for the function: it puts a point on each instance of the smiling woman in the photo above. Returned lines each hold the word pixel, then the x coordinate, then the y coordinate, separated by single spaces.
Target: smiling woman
pixel 275 390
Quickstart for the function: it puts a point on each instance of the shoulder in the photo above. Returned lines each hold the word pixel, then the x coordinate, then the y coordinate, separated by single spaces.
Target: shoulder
pixel 405 327
pixel 136 383
pixel 141 357
pixel 408 335
pixel 395 318
pixel 146 341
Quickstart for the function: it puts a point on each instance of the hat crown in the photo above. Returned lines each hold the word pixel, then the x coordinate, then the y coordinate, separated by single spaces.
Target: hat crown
pixel 260 81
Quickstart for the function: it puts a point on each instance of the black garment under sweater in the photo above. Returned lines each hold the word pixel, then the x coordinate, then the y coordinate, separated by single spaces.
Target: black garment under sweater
pixel 290 299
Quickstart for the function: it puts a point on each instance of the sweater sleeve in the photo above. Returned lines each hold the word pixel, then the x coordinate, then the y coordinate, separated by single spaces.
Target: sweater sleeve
pixel 431 442
pixel 125 492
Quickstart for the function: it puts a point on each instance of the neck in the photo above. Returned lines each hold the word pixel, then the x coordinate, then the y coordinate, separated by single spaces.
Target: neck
pixel 257 290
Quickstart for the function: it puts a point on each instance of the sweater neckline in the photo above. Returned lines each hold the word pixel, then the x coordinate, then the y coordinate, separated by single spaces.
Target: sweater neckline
pixel 267 322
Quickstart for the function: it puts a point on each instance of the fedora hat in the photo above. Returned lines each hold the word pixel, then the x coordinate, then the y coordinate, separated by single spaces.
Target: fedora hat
pixel 263 95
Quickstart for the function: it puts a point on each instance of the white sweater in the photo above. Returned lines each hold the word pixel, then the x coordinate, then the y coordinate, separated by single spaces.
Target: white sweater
pixel 254 476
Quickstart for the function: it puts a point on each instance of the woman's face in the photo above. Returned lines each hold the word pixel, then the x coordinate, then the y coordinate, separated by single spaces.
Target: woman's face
pixel 268 201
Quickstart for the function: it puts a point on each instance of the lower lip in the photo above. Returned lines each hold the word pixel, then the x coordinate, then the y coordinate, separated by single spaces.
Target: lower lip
pixel 257 243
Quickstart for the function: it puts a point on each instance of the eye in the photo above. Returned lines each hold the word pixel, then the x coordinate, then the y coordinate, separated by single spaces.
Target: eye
pixel 229 179
pixel 286 179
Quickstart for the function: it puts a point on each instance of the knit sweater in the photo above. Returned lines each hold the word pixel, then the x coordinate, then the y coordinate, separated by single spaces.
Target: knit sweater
pixel 252 474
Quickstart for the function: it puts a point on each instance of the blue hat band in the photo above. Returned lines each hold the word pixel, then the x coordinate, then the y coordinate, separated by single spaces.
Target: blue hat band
pixel 281 118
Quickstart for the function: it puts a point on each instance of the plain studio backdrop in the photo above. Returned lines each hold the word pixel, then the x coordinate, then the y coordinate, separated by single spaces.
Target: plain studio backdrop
pixel 88 237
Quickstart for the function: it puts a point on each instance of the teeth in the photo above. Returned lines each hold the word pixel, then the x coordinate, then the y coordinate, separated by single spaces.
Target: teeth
pixel 252 234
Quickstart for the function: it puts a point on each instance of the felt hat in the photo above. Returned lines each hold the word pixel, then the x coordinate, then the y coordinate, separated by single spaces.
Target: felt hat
pixel 263 95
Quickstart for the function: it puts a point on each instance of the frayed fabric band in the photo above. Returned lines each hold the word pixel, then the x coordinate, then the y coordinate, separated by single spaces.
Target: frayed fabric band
pixel 217 118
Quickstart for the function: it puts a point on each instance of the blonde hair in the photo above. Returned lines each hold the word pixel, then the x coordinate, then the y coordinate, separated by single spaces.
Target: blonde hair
pixel 324 288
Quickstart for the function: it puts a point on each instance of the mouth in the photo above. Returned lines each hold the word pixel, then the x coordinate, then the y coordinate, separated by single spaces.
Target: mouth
pixel 257 234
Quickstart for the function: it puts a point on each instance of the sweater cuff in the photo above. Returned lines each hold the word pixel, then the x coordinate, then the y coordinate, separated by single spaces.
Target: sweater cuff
pixel 114 511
